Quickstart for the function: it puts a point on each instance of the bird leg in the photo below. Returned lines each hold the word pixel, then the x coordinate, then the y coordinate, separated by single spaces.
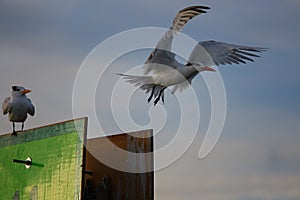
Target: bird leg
pixel 14 133
pixel 161 94
pixel 22 126
pixel 156 101
pixel 151 95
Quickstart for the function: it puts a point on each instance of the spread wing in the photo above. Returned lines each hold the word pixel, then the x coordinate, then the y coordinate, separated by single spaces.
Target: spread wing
pixel 211 53
pixel 186 14
pixel 165 43
pixel 6 105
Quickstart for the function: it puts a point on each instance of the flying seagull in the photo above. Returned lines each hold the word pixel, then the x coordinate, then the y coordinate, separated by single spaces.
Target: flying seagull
pixel 162 70
pixel 17 106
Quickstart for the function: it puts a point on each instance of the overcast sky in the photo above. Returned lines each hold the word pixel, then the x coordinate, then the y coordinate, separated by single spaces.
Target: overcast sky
pixel 43 44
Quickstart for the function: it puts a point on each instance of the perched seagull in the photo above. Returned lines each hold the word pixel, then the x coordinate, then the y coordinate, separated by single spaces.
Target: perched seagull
pixel 17 106
pixel 162 70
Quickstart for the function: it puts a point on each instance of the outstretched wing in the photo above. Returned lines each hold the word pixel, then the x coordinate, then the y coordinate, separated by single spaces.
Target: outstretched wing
pixel 6 105
pixel 186 14
pixel 180 20
pixel 165 43
pixel 211 53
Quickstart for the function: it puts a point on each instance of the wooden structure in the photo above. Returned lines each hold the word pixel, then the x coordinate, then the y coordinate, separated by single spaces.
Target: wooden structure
pixel 57 162
pixel 110 183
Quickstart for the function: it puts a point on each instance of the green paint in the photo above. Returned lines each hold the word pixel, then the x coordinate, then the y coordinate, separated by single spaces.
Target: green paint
pixel 56 153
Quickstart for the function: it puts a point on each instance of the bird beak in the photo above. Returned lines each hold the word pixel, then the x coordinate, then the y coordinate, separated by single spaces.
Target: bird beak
pixel 25 91
pixel 209 69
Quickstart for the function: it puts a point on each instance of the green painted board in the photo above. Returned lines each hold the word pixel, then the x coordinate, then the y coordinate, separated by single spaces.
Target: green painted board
pixel 57 156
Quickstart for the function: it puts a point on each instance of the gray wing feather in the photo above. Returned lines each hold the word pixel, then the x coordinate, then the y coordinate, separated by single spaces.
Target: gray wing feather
pixel 162 54
pixel 6 105
pixel 179 21
pixel 219 53
pixel 186 14
pixel 158 60
pixel 31 109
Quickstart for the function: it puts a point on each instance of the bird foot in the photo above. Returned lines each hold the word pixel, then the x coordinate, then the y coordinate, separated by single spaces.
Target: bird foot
pixel 14 134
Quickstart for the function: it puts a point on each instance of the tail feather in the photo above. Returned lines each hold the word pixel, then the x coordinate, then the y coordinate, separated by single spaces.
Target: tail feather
pixel 144 82
pixel 147 84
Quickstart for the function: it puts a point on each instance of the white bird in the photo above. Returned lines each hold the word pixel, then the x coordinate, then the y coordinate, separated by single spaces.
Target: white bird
pixel 17 106
pixel 162 70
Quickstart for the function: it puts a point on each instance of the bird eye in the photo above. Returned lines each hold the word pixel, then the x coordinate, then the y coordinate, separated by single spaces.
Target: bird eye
pixel 15 88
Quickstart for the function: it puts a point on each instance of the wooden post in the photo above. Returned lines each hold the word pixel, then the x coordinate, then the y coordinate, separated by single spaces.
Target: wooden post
pixel 107 182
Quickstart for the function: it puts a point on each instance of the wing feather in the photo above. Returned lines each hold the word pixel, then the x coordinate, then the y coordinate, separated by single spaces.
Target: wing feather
pixel 6 105
pixel 219 53
pixel 165 43
pixel 185 15
pixel 31 109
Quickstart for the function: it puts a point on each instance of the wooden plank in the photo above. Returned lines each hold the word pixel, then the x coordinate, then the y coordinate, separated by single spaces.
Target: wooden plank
pixel 107 182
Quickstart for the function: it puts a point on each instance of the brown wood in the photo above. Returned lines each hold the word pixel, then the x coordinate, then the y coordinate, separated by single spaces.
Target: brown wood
pixel 104 182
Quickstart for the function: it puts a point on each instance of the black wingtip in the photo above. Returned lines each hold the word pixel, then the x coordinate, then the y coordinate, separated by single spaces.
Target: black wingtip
pixel 205 7
pixel 200 9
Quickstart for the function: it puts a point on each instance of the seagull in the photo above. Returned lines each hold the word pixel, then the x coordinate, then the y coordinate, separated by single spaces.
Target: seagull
pixel 162 70
pixel 17 106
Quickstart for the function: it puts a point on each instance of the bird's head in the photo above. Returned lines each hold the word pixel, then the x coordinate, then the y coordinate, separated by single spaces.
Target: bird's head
pixel 200 67
pixel 19 90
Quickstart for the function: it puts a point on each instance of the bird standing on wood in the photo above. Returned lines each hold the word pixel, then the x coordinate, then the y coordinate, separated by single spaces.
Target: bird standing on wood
pixel 162 70
pixel 17 106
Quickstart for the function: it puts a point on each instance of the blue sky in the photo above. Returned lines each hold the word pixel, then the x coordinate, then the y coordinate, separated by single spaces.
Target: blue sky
pixel 43 44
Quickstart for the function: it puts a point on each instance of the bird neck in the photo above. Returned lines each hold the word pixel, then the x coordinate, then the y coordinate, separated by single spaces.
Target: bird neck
pixel 187 70
pixel 17 95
